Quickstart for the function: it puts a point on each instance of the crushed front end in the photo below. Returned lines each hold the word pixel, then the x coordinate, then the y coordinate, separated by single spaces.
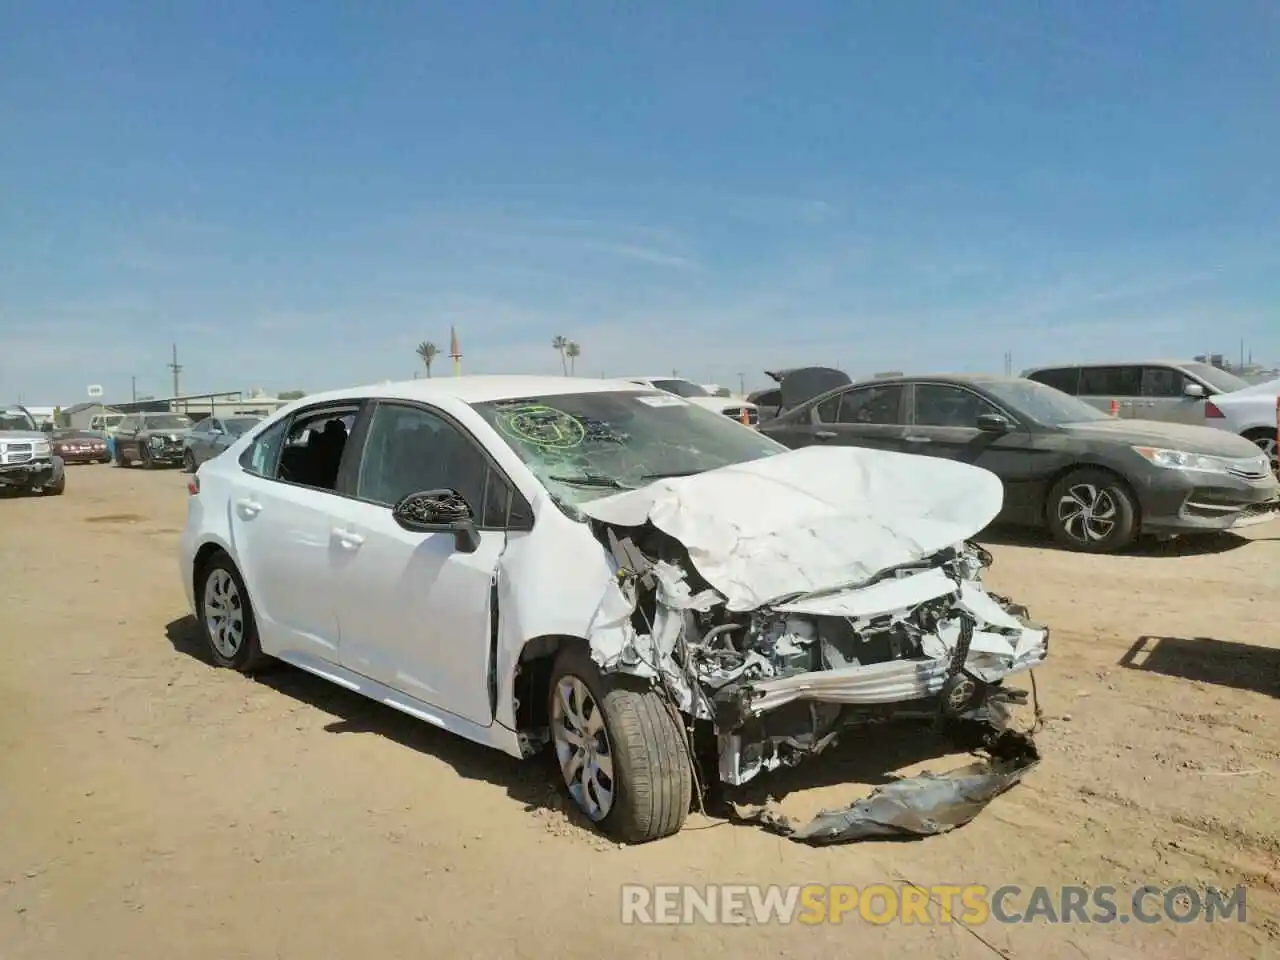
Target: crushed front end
pixel 778 683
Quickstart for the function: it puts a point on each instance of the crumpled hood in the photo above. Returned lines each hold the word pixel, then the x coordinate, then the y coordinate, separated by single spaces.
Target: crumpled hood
pixel 810 519
pixel 1156 433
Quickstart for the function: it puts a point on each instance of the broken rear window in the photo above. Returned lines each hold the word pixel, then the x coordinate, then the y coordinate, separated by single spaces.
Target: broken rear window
pixel 587 445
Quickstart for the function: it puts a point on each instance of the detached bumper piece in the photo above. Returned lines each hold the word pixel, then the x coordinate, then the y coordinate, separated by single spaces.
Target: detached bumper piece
pixel 924 805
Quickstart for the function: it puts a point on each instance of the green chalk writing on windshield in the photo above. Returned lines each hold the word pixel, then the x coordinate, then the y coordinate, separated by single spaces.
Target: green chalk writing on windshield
pixel 542 426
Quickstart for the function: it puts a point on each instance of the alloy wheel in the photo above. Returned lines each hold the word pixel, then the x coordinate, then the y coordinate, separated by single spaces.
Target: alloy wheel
pixel 582 747
pixel 223 613
pixel 1087 513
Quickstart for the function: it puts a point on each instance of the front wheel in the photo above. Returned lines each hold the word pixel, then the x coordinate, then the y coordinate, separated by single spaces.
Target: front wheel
pixel 1092 511
pixel 57 488
pixel 1265 440
pixel 623 756
pixel 148 463
pixel 121 459
pixel 189 462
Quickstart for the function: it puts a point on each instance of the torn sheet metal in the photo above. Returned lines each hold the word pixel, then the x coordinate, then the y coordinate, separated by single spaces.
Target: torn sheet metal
pixel 919 806
pixel 810 519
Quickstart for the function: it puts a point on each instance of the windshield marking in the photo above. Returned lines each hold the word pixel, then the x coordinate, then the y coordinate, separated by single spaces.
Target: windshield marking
pixel 542 426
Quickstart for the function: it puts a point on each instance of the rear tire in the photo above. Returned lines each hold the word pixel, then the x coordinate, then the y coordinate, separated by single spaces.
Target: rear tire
pixel 226 616
pixel 635 744
pixel 1092 511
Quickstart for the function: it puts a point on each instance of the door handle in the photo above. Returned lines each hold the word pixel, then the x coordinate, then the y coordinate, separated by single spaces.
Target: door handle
pixel 248 508
pixel 914 439
pixel 825 434
pixel 347 539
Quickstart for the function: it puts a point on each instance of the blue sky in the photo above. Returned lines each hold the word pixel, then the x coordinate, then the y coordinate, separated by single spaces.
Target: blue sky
pixel 298 194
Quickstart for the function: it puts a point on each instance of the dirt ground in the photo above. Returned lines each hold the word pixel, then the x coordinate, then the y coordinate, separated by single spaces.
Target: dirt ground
pixel 151 805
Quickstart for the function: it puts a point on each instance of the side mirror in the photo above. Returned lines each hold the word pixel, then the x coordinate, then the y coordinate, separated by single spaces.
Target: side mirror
pixel 993 423
pixel 215 433
pixel 1193 390
pixel 434 511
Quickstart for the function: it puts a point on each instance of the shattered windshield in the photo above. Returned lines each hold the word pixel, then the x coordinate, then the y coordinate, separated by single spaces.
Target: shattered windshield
pixel 681 388
pixel 1034 400
pixel 587 445
pixel 167 421
pixel 14 419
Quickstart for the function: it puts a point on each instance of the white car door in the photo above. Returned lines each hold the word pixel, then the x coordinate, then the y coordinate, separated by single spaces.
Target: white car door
pixel 282 533
pixel 415 610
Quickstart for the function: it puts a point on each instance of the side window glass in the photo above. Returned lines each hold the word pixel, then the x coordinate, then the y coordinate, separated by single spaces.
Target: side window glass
pixel 872 405
pixel 828 410
pixel 1111 382
pixel 1163 382
pixel 940 405
pixel 503 504
pixel 261 456
pixel 410 449
pixel 1066 379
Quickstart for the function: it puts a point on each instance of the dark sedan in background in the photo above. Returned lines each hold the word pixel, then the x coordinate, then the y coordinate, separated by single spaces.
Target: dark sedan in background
pixel 154 439
pixel 80 446
pixel 211 436
pixel 1096 482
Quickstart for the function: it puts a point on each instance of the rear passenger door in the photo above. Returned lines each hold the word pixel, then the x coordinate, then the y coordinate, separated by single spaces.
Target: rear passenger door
pixel 283 522
pixel 870 415
pixel 1099 386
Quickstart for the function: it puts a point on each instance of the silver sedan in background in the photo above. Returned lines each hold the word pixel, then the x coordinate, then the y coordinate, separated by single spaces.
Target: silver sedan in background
pixel 211 436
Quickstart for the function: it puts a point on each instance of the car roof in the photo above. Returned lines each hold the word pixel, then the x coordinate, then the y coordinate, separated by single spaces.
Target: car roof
pixel 1149 362
pixel 661 376
pixel 956 378
pixel 473 389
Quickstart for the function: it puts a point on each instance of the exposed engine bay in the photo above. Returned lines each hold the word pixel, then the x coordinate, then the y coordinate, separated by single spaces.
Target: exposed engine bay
pixel 779 682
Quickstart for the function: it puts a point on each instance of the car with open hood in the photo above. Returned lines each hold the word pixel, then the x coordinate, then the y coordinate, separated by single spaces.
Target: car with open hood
pixel 1096 482
pixel 152 439
pixel 27 461
pixel 658 594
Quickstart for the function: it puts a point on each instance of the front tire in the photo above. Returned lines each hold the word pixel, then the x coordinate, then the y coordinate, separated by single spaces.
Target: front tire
pixel 148 463
pixel 623 756
pixel 57 488
pixel 226 617
pixel 121 459
pixel 189 462
pixel 1092 511
pixel 1265 440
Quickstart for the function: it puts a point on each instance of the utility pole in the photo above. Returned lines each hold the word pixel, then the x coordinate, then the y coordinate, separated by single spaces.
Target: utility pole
pixel 742 384
pixel 177 369
pixel 133 389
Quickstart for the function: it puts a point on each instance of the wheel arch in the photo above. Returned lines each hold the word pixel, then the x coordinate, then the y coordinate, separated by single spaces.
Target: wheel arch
pixel 531 680
pixel 203 556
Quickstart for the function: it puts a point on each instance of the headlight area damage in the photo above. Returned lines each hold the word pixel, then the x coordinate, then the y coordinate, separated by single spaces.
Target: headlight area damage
pixel 780 601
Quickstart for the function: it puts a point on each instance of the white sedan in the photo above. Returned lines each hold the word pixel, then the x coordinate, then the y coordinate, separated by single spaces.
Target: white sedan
pixel 633 579
pixel 1251 413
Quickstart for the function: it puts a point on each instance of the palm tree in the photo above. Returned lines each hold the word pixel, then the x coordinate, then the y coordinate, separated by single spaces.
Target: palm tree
pixel 573 352
pixel 426 353
pixel 559 344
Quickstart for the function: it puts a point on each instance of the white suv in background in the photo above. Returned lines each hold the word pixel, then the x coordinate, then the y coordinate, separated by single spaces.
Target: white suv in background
pixel 744 411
